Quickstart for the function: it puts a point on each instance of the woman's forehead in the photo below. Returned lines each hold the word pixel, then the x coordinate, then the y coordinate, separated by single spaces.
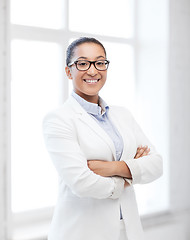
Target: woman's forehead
pixel 89 50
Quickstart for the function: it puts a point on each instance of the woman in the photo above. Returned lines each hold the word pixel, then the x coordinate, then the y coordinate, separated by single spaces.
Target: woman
pixel 99 153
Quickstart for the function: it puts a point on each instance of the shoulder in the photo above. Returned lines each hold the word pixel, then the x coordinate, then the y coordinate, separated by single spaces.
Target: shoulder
pixel 122 115
pixel 121 111
pixel 63 113
pixel 61 121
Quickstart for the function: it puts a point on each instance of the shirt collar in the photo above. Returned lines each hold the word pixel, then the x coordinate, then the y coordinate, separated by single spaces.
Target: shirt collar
pixel 92 108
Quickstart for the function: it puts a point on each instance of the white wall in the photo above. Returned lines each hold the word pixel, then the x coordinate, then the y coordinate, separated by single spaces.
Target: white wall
pixel 2 118
pixel 179 79
pixel 175 224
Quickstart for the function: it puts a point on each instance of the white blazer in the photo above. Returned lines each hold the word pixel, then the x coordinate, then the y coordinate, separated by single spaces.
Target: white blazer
pixel 88 205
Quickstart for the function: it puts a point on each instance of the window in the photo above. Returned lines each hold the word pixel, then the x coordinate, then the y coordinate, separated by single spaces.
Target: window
pixel 81 20
pixel 40 31
pixel 36 77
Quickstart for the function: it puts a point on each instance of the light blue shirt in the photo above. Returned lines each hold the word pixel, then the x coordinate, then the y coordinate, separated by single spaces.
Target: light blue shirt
pixel 100 114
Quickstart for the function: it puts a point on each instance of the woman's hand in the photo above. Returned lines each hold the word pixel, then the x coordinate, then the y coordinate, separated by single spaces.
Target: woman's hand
pixel 115 168
pixel 142 151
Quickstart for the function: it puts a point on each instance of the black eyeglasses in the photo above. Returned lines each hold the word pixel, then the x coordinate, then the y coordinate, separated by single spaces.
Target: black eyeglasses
pixel 84 65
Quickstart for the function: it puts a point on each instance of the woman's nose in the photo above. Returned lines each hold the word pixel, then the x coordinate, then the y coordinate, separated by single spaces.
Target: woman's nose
pixel 92 70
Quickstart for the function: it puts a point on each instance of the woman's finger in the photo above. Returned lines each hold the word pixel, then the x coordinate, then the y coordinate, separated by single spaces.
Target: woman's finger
pixel 142 151
pixel 139 152
pixel 146 152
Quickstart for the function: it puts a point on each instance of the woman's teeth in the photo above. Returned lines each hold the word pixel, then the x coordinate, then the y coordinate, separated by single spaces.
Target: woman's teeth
pixel 91 81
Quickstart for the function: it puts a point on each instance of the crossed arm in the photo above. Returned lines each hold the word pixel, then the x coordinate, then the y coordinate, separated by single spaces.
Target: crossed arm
pixel 116 168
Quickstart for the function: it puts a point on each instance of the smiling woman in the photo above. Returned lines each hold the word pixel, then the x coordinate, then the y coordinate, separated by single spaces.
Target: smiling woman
pixel 87 141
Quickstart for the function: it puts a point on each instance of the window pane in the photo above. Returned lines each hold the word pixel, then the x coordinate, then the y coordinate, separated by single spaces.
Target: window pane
pixel 152 114
pixel 35 89
pixel 109 17
pixel 120 85
pixel 39 13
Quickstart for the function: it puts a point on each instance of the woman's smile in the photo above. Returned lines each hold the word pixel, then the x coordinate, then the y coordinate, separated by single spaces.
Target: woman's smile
pixel 91 81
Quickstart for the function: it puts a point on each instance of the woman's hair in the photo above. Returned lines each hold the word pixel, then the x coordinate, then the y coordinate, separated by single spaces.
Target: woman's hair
pixel 77 42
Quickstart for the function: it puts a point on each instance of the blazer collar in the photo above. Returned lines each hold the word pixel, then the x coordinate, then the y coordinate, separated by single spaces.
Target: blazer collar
pixel 85 117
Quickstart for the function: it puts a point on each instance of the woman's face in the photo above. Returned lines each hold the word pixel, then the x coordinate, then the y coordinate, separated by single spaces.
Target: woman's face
pixel 81 79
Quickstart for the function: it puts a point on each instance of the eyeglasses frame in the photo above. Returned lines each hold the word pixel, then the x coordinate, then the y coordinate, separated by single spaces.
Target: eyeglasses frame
pixel 91 62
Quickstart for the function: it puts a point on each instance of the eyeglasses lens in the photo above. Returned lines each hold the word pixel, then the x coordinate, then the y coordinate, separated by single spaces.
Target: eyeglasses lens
pixel 85 65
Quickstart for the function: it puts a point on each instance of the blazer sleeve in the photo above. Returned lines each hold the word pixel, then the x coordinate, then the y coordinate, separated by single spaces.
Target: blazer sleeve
pixel 71 164
pixel 147 168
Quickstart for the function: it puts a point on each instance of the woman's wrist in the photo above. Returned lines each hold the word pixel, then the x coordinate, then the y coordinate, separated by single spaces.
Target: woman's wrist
pixel 109 169
pixel 121 169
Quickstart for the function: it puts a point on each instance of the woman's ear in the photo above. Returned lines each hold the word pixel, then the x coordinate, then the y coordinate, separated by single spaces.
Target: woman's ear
pixel 68 72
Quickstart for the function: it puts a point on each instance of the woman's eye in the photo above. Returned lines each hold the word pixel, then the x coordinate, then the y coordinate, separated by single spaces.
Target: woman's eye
pixel 82 63
pixel 100 63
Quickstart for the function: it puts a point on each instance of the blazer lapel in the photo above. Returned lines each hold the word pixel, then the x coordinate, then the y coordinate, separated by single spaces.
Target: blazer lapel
pixel 87 119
